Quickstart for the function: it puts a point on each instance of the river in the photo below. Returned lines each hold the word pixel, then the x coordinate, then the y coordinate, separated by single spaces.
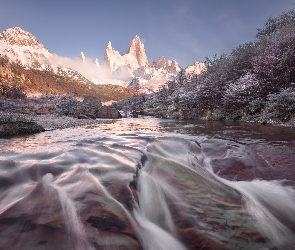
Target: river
pixel 149 184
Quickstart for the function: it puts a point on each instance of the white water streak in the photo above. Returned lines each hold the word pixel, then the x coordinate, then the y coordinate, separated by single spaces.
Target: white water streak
pixel 74 228
pixel 156 227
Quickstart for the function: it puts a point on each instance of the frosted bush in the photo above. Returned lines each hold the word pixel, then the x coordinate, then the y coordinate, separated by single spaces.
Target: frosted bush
pixel 241 92
pixel 282 104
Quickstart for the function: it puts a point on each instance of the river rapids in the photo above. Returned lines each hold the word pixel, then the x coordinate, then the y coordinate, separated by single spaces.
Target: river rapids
pixel 149 184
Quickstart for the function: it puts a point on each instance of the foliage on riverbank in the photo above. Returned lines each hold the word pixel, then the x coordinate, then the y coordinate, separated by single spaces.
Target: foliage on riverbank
pixel 255 82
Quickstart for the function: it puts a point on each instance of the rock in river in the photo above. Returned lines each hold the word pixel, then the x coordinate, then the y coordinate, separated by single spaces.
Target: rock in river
pixel 11 126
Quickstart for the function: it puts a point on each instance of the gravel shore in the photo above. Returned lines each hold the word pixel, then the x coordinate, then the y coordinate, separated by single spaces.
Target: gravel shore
pixel 33 115
pixel 52 121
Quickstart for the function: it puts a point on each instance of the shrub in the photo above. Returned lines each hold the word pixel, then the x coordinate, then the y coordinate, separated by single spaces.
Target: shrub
pixel 69 105
pixel 241 92
pixel 282 104
pixel 12 91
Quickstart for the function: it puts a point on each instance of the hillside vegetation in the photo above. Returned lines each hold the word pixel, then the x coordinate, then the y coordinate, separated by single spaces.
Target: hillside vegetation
pixel 16 81
pixel 255 82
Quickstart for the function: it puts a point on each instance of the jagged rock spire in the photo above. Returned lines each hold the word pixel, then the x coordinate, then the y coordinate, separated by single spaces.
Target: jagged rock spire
pixel 96 63
pixel 136 48
pixel 82 57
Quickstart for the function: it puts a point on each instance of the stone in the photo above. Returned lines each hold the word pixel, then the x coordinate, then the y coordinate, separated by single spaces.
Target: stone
pixel 81 116
pixel 91 116
pixel 19 127
pixel 108 113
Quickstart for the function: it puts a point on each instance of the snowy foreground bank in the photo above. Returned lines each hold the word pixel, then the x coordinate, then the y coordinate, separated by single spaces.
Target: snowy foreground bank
pixel 52 121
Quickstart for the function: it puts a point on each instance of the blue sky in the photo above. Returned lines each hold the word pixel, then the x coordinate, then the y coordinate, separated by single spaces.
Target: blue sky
pixel 183 30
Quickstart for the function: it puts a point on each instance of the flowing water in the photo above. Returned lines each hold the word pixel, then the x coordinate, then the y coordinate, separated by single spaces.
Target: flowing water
pixel 149 184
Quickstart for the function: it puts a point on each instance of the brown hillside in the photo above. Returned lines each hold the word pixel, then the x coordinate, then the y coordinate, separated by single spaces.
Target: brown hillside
pixel 47 82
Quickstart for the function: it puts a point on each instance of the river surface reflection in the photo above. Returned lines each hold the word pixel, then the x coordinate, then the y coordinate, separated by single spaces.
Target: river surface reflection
pixel 149 184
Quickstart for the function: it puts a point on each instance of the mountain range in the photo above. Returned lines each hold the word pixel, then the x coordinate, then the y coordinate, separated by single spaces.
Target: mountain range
pixel 22 47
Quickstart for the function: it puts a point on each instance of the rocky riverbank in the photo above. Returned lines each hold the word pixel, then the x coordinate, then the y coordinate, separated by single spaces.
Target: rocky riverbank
pixel 33 115
pixel 280 110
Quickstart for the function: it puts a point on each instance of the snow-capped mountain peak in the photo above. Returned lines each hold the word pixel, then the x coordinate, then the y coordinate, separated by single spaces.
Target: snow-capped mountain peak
pixel 159 63
pixel 171 66
pixel 22 47
pixel 134 64
pixel 136 48
pixel 19 37
pixel 196 68
pixel 109 46
pixel 134 58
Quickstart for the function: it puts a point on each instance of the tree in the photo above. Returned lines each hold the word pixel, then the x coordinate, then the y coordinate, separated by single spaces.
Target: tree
pixel 274 63
pixel 274 25
pixel 282 104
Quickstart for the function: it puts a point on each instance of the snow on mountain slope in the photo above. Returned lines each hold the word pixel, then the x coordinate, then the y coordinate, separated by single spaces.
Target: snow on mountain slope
pixel 171 66
pixel 21 46
pixel 19 37
pixel 134 64
pixel 196 68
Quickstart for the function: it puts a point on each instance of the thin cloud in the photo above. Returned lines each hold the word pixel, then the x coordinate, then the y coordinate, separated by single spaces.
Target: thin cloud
pixel 96 74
